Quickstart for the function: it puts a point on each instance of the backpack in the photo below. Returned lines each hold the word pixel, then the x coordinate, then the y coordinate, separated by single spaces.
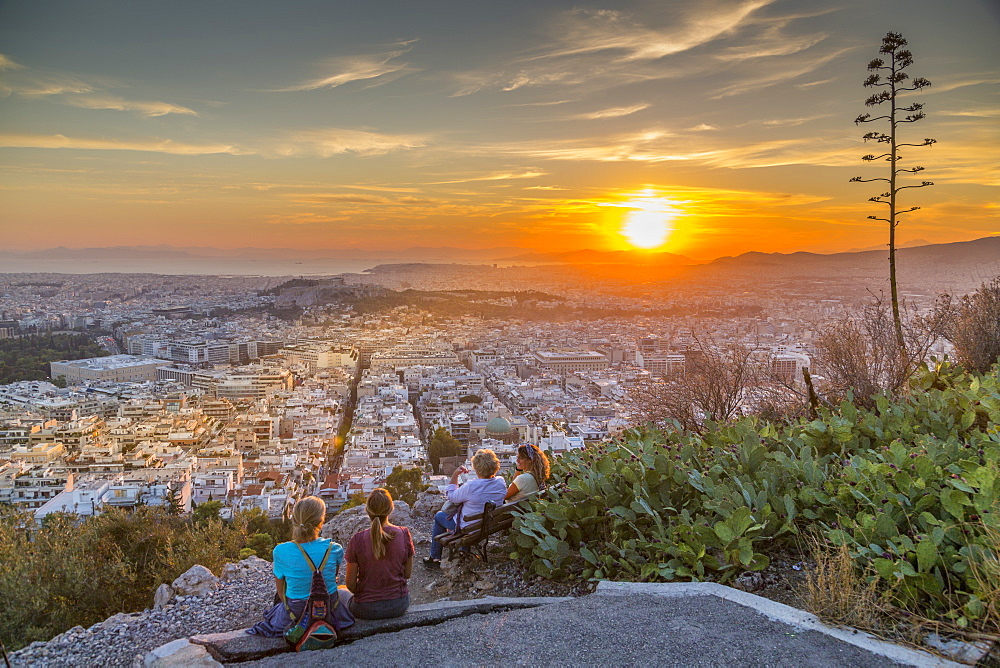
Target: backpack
pixel 318 627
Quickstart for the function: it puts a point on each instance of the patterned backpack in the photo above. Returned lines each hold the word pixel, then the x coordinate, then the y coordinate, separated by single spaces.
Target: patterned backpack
pixel 318 627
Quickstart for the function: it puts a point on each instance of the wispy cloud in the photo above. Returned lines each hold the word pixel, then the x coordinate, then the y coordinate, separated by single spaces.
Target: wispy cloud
pixel 496 176
pixel 149 144
pixel 76 92
pixel 702 127
pixel 787 72
pixel 357 68
pixel 149 109
pixel 8 64
pixel 333 141
pixel 614 112
pixel 607 47
pixel 953 84
pixel 792 122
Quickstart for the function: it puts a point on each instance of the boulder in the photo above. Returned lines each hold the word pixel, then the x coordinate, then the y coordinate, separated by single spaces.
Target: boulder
pixel 179 653
pixel 164 594
pixel 346 523
pixel 196 581
pixel 427 504
pixel 242 569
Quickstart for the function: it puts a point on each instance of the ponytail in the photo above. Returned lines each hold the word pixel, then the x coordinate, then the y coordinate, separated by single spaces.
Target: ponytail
pixel 379 507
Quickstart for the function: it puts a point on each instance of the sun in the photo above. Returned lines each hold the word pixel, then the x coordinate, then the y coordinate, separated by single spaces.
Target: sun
pixel 650 221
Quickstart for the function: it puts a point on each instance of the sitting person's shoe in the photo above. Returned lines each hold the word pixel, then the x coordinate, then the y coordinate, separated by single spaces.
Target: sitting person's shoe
pixel 432 563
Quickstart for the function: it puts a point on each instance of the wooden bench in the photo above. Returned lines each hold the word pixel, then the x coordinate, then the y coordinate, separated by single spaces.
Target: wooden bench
pixel 476 529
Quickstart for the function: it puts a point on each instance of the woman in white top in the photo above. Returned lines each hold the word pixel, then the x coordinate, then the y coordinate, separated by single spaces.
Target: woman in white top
pixel 534 467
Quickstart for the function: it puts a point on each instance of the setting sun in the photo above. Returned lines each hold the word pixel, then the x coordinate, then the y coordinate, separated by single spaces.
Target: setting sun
pixel 650 223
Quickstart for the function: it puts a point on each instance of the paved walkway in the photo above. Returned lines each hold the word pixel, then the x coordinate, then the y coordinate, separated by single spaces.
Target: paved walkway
pixel 625 625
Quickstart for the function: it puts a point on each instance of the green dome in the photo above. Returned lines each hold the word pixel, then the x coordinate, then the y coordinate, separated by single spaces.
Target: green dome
pixel 498 425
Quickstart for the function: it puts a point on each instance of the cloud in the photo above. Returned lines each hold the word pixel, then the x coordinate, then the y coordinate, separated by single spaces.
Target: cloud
pixel 497 176
pixel 976 113
pixel 356 68
pixel 702 127
pixel 333 141
pixel 152 145
pixel 810 84
pixel 149 109
pixel 614 112
pixel 787 72
pixel 303 218
pixel 75 92
pixel 8 64
pixel 327 198
pixel 606 47
pixel 615 32
pixel 792 122
pixel 953 84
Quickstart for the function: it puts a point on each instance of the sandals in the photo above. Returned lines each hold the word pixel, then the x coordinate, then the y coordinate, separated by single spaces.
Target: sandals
pixel 432 563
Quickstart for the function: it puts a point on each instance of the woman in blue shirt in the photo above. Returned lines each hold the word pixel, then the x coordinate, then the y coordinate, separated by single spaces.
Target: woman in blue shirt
pixel 293 575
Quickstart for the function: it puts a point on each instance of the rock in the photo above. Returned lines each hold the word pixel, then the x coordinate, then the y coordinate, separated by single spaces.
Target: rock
pixel 748 581
pixel 179 653
pixel 196 581
pixel 484 585
pixel 345 524
pixel 243 568
pixel 164 594
pixel 427 504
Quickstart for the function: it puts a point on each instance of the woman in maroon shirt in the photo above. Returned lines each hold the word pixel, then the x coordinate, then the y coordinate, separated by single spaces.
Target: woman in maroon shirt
pixel 379 562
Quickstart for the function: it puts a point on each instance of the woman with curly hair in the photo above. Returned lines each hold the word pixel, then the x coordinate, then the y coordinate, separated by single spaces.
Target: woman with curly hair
pixel 534 467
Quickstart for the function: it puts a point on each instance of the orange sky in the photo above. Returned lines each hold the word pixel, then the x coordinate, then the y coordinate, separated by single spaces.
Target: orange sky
pixel 720 126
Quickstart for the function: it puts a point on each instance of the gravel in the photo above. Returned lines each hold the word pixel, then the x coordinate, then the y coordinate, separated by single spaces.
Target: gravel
pixel 125 638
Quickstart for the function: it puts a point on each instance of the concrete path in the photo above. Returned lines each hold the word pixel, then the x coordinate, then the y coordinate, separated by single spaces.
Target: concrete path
pixel 625 624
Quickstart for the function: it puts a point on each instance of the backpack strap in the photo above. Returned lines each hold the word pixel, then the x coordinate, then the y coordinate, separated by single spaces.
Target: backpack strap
pixel 326 557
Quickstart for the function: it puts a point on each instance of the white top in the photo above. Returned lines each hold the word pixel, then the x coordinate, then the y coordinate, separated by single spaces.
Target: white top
pixel 526 484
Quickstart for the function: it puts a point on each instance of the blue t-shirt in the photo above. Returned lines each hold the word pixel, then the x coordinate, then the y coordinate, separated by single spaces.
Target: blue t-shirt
pixel 290 565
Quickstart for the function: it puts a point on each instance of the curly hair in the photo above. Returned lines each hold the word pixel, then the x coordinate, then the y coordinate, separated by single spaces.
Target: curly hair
pixel 486 463
pixel 539 462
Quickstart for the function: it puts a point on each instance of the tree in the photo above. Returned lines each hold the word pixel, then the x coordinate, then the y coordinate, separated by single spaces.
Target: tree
pixel 405 484
pixel 972 325
pixel 860 354
pixel 207 511
pixel 442 444
pixel 719 383
pixel 890 77
pixel 173 505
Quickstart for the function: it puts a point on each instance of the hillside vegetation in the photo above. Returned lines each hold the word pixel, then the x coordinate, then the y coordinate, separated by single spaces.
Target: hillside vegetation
pixel 67 573
pixel 911 487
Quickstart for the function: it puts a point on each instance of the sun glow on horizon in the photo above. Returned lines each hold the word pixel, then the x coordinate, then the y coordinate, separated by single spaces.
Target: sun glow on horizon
pixel 650 222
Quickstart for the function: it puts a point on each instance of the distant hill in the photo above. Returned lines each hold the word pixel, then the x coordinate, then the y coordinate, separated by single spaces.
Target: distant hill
pixel 985 251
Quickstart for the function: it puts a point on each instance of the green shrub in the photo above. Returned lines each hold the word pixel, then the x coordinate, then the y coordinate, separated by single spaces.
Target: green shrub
pixel 911 487
pixel 67 572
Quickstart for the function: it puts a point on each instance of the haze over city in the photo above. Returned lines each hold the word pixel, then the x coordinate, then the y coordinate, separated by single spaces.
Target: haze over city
pixel 699 128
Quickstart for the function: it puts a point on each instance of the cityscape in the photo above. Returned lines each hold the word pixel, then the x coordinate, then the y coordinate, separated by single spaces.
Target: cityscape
pixel 503 314
pixel 255 391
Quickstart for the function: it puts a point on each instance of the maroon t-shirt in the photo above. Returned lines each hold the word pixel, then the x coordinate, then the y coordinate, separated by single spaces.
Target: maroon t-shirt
pixel 380 579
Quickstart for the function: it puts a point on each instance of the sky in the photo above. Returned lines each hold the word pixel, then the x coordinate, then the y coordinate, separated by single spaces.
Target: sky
pixel 699 127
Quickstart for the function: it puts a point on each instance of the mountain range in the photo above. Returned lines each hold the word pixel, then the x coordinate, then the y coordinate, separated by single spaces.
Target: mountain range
pixel 985 250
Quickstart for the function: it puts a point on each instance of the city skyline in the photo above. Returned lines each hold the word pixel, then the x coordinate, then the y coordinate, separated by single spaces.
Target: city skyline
pixel 699 128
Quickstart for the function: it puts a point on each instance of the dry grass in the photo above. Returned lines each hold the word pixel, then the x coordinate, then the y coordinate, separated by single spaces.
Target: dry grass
pixel 835 592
